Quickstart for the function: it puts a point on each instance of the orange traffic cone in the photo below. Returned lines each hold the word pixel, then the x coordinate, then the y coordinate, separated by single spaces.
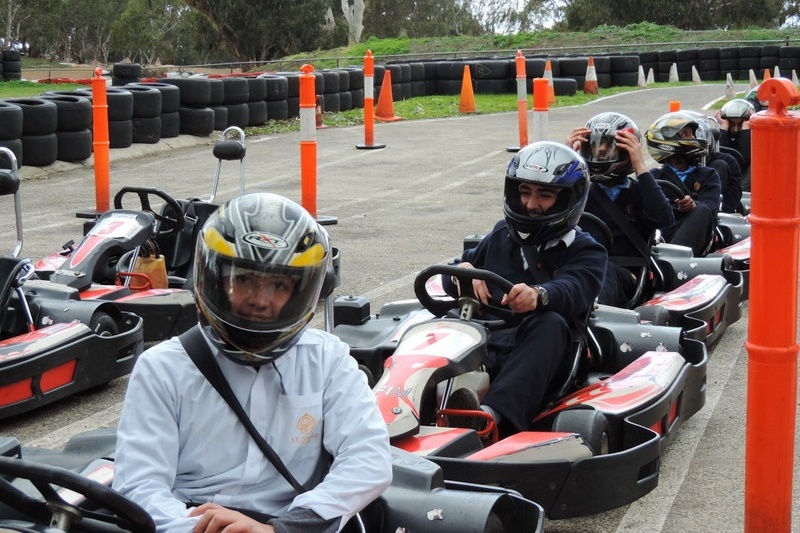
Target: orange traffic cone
pixel 590 84
pixel 385 110
pixel 467 102
pixel 548 75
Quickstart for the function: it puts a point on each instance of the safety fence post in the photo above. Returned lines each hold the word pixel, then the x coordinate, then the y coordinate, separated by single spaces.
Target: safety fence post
pixel 541 88
pixel 100 144
pixel 772 330
pixel 308 140
pixel 674 105
pixel 369 104
pixel 522 103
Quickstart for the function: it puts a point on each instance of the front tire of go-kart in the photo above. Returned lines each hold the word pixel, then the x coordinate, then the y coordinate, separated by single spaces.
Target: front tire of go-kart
pixel 590 424
pixel 103 325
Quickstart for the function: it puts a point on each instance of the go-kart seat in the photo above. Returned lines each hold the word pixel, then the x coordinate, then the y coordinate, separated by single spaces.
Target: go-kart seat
pixel 10 268
pixel 575 366
pixel 178 248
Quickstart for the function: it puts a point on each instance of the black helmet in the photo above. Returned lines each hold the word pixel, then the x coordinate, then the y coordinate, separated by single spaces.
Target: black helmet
pixel 738 108
pixel 752 97
pixel 548 164
pixel 664 138
pixel 256 250
pixel 605 161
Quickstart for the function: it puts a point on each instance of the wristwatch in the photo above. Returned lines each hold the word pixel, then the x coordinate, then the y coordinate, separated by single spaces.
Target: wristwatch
pixel 544 296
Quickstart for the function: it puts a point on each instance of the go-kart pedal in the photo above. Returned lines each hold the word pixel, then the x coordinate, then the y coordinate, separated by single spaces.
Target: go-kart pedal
pixel 463 410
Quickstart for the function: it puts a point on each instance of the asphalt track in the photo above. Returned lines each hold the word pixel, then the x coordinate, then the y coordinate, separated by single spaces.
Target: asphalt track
pixel 397 210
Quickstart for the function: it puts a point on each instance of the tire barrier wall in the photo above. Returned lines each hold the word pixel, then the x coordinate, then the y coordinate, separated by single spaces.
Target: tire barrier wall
pixel 201 104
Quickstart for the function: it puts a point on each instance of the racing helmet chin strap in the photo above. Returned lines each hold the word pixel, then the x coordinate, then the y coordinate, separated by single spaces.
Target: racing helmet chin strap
pixel 196 346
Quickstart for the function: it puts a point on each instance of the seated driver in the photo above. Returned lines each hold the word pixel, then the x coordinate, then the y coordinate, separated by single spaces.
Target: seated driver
pixel 184 455
pixel 557 271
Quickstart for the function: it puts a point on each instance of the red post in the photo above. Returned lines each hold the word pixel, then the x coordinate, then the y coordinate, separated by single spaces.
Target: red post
pixel 100 143
pixel 772 330
pixel 674 105
pixel 369 103
pixel 541 98
pixel 308 140
pixel 522 102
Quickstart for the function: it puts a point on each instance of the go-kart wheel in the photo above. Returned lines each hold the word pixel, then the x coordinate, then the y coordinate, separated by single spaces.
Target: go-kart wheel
pixel 117 511
pixel 446 306
pixel 590 424
pixel 655 314
pixel 103 324
pixel 166 224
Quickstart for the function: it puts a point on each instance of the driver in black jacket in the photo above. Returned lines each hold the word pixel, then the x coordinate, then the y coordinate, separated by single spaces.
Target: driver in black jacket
pixel 556 271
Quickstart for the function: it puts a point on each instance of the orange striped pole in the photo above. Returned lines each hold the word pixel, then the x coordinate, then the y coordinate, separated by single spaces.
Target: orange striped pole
pixel 369 104
pixel 772 330
pixel 541 95
pixel 308 140
pixel 522 103
pixel 100 143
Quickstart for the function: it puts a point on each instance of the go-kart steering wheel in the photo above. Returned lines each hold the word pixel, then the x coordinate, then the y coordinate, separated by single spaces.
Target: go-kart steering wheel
pixel 671 191
pixel 165 225
pixel 121 513
pixel 446 306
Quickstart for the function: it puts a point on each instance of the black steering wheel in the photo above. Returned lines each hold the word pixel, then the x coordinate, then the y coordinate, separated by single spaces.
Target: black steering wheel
pixel 506 318
pixel 166 225
pixel 671 191
pixel 119 513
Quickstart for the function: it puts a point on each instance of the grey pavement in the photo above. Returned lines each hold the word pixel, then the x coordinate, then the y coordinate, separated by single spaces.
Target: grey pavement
pixel 398 210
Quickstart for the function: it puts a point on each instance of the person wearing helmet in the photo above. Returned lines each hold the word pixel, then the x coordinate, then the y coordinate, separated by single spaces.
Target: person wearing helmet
pixel 673 141
pixel 734 119
pixel 633 208
pixel 183 454
pixel 725 163
pixel 556 271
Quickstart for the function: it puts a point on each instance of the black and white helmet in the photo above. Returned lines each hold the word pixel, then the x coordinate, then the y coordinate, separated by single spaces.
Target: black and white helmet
pixel 738 108
pixel 547 164
pixel 665 140
pixel 605 160
pixel 244 246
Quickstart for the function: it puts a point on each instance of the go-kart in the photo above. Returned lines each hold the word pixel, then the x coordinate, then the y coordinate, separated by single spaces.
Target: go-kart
pixel 43 490
pixel 52 343
pixel 629 387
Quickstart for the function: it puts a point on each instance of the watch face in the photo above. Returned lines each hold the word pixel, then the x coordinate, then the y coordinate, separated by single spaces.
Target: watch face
pixel 544 297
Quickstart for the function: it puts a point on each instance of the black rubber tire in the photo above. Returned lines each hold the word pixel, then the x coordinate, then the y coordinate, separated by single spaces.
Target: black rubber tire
pixel 103 324
pixel 257 89
pixel 198 121
pixel 590 424
pixel 358 96
pixel 39 150
pixel 15 145
pixel 236 90
pixel 625 79
pixel 345 101
pixel 11 120
pixel 655 314
pixel 12 67
pixel 220 117
pixel 128 71
pixel 344 79
pixel 280 110
pixel 292 108
pixel 146 101
pixel 74 112
pixel 332 103
pixel 12 76
pixel 565 86
pixel 238 115
pixel 257 113
pixel 357 77
pixel 39 116
pixel 11 55
pixel 278 87
pixel 120 133
pixel 195 92
pixel 624 64
pixel 146 130
pixel 331 84
pixel 170 125
pixel 216 92
pixel 170 94
pixel 74 145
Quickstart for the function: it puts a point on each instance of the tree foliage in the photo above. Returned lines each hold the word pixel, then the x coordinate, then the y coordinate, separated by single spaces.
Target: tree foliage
pixel 420 18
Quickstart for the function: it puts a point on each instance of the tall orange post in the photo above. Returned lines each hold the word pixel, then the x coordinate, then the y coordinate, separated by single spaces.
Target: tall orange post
pixel 541 96
pixel 369 104
pixel 674 105
pixel 522 103
pixel 772 330
pixel 100 143
pixel 308 140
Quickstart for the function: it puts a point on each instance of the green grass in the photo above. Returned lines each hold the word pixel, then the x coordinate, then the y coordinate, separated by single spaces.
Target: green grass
pixel 25 89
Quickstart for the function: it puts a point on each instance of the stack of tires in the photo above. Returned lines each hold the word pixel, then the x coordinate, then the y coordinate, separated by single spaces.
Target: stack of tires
pixel 74 126
pixel 11 65
pixel 216 103
pixel 685 60
pixel 125 73
pixel 649 62
pixel 489 76
pixel 749 59
pixel 330 90
pixel 708 64
pixel 729 62
pixel 356 79
pixel 666 58
pixel 196 117
pixel 789 60
pixel 146 118
pixel 257 101
pixel 283 95
pixel 236 95
pixel 170 102
pixel 770 58
pixel 449 77
pixel 39 124
pixel 624 71
pixel 11 118
pixel 345 96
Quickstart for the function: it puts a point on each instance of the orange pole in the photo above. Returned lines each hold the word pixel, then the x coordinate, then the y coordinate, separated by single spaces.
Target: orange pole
pixel 541 98
pixel 772 330
pixel 369 103
pixel 308 140
pixel 100 143
pixel 522 102
pixel 674 105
